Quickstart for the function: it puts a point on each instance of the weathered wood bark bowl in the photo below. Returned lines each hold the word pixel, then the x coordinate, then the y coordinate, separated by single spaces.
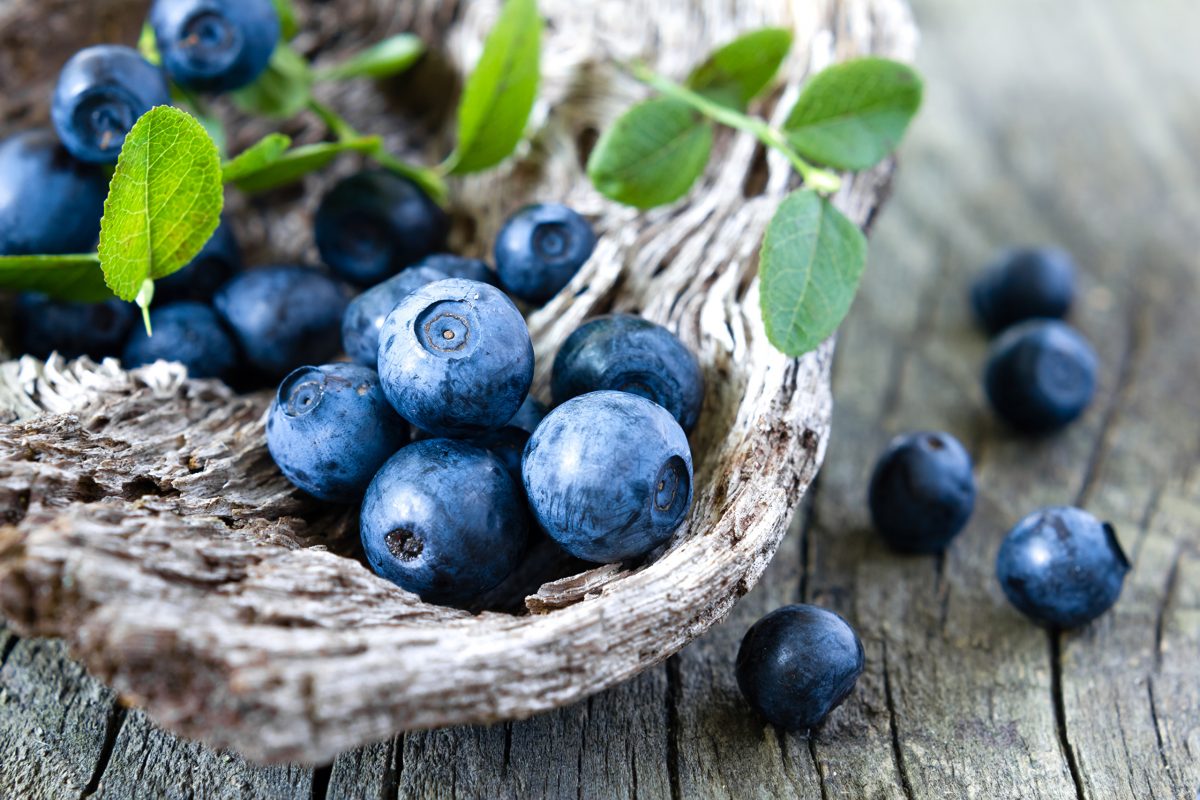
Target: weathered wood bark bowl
pixel 142 520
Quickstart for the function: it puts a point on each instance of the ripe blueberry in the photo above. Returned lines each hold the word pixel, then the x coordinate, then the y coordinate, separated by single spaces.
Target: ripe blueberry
pixel 797 664
pixel 1040 375
pixel 215 45
pixel 366 313
pixel 190 333
pixel 455 358
pixel 1026 283
pixel 461 267
pixel 1062 567
pixel 528 416
pixel 283 316
pixel 508 446
pixel 922 492
pixel 51 202
pixel 330 429
pixel 540 249
pixel 100 93
pixel 629 354
pixel 218 261
pixel 375 223
pixel 609 476
pixel 97 330
pixel 443 519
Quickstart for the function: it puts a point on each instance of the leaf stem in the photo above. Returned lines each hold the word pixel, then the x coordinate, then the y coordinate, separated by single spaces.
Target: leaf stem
pixel 342 129
pixel 821 180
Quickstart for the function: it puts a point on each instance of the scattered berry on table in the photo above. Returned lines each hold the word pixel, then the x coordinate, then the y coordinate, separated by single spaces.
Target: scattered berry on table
pixel 1062 567
pixel 190 333
pixel 922 491
pixel 218 261
pixel 540 249
pixel 1025 283
pixel 797 664
pixel 455 358
pixel 97 330
pixel 630 354
pixel 1040 376
pixel 609 475
pixel 215 45
pixel 330 429
pixel 444 520
pixel 365 314
pixel 101 92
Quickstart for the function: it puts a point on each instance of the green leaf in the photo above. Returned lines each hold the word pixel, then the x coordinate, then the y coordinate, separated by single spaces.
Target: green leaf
pixel 652 155
pixel 259 155
pixel 148 45
pixel 812 259
pixel 499 94
pixel 736 73
pixel 288 25
pixel 294 164
pixel 852 115
pixel 164 201
pixel 284 88
pixel 389 57
pixel 70 277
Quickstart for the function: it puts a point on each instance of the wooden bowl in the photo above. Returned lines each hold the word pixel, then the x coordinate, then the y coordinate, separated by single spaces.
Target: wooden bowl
pixel 142 520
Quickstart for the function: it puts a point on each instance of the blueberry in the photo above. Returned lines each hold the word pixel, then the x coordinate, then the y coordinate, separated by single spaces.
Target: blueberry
pixel 283 317
pixel 922 492
pixel 1040 376
pixel 461 267
pixel 540 249
pixel 375 223
pixel 609 476
pixel 215 45
pixel 97 330
pixel 218 261
pixel 455 358
pixel 797 664
pixel 444 520
pixel 528 416
pixel 190 333
pixel 49 201
pixel 507 445
pixel 366 313
pixel 100 93
pixel 330 429
pixel 629 354
pixel 1027 283
pixel 1062 567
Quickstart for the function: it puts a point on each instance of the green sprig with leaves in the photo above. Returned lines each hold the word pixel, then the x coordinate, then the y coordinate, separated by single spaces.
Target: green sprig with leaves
pixel 850 116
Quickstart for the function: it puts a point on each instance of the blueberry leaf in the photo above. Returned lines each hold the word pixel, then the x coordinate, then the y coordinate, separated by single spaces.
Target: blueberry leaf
pixel 499 94
pixel 811 261
pixel 738 72
pixel 164 201
pixel 388 57
pixel 148 45
pixel 70 277
pixel 256 157
pixel 284 88
pixel 288 25
pixel 652 154
pixel 294 164
pixel 852 115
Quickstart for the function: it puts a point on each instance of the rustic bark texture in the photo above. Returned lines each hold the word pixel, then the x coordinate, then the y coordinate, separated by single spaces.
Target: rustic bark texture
pixel 148 527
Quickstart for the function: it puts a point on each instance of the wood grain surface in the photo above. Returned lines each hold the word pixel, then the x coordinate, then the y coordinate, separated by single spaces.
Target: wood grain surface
pixel 1073 122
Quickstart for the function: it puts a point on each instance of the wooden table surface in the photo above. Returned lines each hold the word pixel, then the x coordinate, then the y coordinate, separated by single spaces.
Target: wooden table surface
pixel 1075 122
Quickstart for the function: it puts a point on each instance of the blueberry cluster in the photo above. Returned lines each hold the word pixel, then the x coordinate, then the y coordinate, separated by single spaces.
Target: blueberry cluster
pixel 1059 566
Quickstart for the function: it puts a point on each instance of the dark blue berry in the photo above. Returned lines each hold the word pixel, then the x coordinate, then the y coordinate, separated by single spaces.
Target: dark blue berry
pixel 97 330
pixel 51 202
pixel 100 93
pixel 1027 283
pixel 1040 376
pixel 1062 567
pixel 461 267
pixel 507 445
pixel 215 45
pixel 373 224
pixel 540 249
pixel 283 317
pixel 455 358
pixel 444 520
pixel 922 492
pixel 330 429
pixel 190 333
pixel 797 664
pixel 366 313
pixel 629 354
pixel 528 416
pixel 609 476
pixel 218 261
